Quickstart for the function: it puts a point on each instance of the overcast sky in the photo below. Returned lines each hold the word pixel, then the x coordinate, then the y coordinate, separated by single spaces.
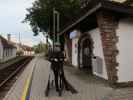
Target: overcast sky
pixel 12 12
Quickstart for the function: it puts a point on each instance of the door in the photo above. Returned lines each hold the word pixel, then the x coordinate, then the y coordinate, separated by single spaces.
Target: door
pixel 86 54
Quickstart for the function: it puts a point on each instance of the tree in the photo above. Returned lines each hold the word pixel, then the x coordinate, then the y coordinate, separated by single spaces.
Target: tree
pixel 128 2
pixel 40 16
pixel 41 48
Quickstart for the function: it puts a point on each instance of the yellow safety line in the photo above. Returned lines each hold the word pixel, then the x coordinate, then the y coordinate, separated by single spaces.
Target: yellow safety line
pixel 26 87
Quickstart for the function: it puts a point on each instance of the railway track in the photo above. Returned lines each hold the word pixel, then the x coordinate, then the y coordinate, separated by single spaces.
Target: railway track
pixel 9 75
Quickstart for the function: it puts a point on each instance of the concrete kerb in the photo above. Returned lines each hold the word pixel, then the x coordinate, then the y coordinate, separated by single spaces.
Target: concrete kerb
pixel 18 80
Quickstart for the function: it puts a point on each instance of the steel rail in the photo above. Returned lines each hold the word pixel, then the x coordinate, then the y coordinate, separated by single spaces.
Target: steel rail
pixel 14 72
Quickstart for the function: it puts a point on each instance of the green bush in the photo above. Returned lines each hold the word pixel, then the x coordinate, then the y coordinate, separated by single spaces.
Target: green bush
pixel 20 53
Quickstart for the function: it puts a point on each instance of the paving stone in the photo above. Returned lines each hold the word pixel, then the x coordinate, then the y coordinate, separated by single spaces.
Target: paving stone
pixel 88 87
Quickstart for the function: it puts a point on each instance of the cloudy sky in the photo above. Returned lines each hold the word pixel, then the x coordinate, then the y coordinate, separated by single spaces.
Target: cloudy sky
pixel 12 14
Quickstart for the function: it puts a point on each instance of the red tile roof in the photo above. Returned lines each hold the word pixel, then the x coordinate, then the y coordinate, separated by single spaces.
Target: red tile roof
pixel 27 48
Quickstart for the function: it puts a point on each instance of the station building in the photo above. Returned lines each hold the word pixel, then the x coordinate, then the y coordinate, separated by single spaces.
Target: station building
pixel 101 40
pixel 7 50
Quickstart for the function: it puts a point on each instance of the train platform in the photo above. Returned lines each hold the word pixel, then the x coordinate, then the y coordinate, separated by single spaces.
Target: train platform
pixel 32 83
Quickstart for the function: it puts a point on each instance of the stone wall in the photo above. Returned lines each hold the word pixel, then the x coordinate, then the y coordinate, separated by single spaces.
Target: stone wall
pixel 107 25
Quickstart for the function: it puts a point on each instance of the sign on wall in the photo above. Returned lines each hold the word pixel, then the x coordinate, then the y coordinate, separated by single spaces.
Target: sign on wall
pixel 74 34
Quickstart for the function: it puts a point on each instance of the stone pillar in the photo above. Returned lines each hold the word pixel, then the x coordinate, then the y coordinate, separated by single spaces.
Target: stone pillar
pixel 68 48
pixel 107 25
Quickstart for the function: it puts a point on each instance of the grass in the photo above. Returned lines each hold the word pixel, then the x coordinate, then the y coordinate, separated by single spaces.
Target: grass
pixel 11 61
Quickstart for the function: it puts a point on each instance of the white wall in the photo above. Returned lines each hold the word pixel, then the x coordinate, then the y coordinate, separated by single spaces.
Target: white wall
pixel 98 51
pixel 8 53
pixel 14 52
pixel 75 52
pixel 1 51
pixel 66 51
pixel 125 46
pixel 28 53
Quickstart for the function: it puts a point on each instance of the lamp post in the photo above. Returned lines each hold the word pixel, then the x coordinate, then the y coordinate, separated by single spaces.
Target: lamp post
pixel 56 26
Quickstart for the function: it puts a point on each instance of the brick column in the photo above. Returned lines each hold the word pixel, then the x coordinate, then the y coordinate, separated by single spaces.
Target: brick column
pixel 107 25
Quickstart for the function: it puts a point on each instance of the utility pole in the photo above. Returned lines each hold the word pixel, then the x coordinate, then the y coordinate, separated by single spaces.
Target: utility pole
pixel 53 28
pixel 19 41
pixel 58 26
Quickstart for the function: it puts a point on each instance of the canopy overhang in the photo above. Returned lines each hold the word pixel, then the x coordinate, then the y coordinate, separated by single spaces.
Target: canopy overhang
pixel 118 9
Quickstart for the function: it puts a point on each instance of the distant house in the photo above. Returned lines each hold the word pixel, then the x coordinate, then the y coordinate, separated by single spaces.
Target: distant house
pixel 7 50
pixel 21 49
pixel 24 49
pixel 27 50
pixel 101 40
